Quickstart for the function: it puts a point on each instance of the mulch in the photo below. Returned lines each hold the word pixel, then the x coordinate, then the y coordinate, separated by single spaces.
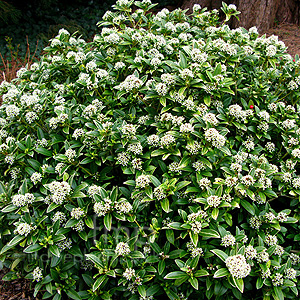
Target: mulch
pixel 18 289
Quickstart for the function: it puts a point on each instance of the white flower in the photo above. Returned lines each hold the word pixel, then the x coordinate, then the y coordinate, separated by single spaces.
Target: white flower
pixel 123 207
pixel 59 216
pixel 65 244
pixel 271 240
pixel 123 158
pixel 122 249
pixel 12 111
pixel 102 208
pixel 271 51
pixel 214 201
pixel 77 213
pixel 37 274
pixel 142 181
pixel 186 73
pixel 131 82
pixel 23 229
pixel 247 180
pixel 277 280
pixel 167 140
pixel 36 177
pixel 93 189
pixel 263 256
pixel 296 153
pixel 186 128
pixel 237 266
pixel 290 273
pixel 70 154
pixel 196 7
pixel 210 118
pixel 228 240
pixel 135 148
pixel 250 252
pixel 129 273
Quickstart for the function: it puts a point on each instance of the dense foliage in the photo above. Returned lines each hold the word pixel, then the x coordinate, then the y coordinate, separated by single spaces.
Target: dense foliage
pixel 160 159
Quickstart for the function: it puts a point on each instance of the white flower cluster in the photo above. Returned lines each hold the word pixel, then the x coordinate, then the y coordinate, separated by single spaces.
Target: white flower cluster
pixel 77 213
pixel 123 207
pixel 250 252
pixel 23 229
pixel 65 244
pixel 122 249
pixel 142 181
pixel 159 193
pixel 238 266
pixel 102 208
pixel 214 201
pixel 36 177
pixel 212 135
pixel 271 240
pixel 59 216
pixel 22 200
pixel 59 191
pixel 228 240
pixel 195 251
pixel 37 274
pixel 131 82
pixel 129 273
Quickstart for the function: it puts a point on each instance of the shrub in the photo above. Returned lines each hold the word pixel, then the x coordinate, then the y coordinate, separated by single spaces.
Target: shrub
pixel 161 159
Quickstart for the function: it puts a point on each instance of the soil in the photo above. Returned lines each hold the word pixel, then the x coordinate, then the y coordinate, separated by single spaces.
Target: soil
pixel 20 289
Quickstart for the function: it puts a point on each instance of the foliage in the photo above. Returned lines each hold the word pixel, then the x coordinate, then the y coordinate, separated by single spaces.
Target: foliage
pixel 159 160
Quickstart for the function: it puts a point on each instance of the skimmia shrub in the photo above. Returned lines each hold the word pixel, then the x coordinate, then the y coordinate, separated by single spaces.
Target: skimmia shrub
pixel 159 160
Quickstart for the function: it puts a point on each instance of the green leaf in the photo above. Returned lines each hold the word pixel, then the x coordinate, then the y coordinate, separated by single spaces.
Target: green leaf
pixel 194 283
pixel 73 294
pixel 278 293
pixel 207 100
pixel 170 236
pixel 165 205
pixel 9 208
pixel 89 222
pixel 194 237
pixel 161 267
pixel 43 151
pixel 16 240
pixel 152 290
pixel 209 233
pixel 221 254
pixel 155 181
pixel 98 282
pixel 175 275
pixel 259 283
pixel 107 221
pixel 96 260
pixel 142 290
pixel 201 273
pixel 182 61
pixel 218 70
pixel 215 213
pixel 249 207
pixel 239 283
pixel 33 248
pixel 136 254
pixel 54 250
pixel 221 273
pixel 182 184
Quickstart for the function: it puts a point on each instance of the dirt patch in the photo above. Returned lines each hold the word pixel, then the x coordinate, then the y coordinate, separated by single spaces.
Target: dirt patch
pixel 19 289
pixel 290 35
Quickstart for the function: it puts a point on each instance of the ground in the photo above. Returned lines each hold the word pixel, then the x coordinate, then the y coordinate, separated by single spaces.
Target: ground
pixel 21 290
